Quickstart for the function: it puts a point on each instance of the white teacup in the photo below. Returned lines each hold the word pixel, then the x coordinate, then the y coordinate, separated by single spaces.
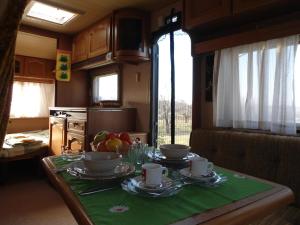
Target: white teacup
pixel 153 173
pixel 201 167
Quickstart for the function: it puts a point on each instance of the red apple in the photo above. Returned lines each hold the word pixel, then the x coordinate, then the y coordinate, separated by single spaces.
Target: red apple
pixel 101 147
pixel 125 137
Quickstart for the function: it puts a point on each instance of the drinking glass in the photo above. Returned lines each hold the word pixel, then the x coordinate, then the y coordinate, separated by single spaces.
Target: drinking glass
pixel 137 155
pixel 69 155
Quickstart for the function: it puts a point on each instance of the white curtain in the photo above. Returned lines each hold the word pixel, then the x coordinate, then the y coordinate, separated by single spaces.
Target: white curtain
pixel 255 86
pixel 31 99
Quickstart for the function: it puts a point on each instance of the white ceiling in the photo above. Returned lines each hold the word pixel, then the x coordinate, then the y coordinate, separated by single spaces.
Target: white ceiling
pixel 92 10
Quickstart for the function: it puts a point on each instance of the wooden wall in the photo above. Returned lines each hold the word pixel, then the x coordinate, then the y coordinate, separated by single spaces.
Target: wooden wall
pixel 136 92
pixel 27 124
pixel 68 94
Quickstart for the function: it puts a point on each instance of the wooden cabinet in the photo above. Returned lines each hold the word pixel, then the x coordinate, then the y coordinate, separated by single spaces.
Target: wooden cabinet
pixel 122 36
pixel 75 142
pixel 35 67
pixel 31 67
pixel 19 65
pixel 240 6
pixel 130 35
pixel 57 139
pixel 80 47
pixel 100 38
pixel 222 14
pixel 75 128
pixel 200 12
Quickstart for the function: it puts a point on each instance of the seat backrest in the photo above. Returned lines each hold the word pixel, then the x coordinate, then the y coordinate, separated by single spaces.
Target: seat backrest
pixel 268 156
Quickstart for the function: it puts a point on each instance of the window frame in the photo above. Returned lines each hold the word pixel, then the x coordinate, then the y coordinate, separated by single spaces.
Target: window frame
pixel 112 69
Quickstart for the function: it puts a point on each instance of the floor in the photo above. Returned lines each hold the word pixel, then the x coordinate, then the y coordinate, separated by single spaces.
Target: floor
pixel 28 199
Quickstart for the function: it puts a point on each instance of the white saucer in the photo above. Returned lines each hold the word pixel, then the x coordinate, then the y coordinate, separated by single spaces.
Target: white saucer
pixel 139 183
pixel 186 172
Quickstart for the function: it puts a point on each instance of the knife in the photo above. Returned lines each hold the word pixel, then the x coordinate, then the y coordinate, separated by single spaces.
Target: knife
pixel 96 189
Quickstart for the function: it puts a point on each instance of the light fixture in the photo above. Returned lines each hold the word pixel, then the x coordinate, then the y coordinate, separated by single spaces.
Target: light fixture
pixel 50 13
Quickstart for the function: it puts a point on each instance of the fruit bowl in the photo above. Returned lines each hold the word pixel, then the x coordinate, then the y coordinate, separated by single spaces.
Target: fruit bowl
pixel 111 142
pixel 101 161
pixel 174 151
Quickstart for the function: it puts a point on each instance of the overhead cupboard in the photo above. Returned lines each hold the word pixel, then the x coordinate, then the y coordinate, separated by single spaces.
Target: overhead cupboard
pixel 205 14
pixel 120 36
pixel 35 68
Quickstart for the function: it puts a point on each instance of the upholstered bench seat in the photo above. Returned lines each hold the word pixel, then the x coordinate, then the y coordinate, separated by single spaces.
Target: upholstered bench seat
pixel 268 156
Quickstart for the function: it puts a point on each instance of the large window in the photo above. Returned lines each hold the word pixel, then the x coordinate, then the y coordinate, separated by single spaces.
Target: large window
pixel 173 88
pixel 258 86
pixel 31 99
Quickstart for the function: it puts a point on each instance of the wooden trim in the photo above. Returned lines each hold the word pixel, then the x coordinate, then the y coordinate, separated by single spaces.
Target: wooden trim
pixel 237 213
pixel 197 94
pixel 276 30
pixel 34 79
pixel 69 197
pixel 40 153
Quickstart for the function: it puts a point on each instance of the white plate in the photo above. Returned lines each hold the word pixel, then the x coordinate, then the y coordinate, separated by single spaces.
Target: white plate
pixel 129 187
pixel 158 156
pixel 187 173
pixel 79 170
pixel 139 183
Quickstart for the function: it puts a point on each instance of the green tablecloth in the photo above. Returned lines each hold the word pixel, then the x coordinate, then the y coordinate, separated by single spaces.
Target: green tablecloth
pixel 133 209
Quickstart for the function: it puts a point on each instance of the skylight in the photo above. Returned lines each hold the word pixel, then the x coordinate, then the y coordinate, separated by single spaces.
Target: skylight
pixel 50 13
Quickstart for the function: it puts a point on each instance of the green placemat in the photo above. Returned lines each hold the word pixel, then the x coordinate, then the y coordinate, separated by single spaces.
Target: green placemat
pixel 103 207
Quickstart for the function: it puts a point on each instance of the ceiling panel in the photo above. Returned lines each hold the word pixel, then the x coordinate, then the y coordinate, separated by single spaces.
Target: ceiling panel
pixel 93 10
pixel 27 42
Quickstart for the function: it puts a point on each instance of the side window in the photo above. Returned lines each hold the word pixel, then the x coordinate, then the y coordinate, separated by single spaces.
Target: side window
pixel 106 89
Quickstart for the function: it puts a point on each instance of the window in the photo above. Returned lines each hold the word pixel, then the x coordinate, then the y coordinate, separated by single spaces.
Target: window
pixel 49 13
pixel 173 102
pixel 31 99
pixel 258 86
pixel 106 88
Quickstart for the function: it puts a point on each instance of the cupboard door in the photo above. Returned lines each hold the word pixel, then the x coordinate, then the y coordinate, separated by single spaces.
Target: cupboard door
pixel 50 69
pixel 201 12
pixel 100 36
pixel 240 6
pixel 80 47
pixel 130 35
pixel 76 143
pixel 57 135
pixel 35 67
pixel 19 65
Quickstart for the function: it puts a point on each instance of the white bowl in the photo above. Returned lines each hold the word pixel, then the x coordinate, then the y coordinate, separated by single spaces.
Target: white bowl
pixel 101 161
pixel 174 151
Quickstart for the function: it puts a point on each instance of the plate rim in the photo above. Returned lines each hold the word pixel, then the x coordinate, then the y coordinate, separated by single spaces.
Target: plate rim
pixel 130 170
pixel 145 188
pixel 202 178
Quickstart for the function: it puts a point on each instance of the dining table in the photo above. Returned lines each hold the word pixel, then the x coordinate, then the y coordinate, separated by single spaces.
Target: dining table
pixel 240 200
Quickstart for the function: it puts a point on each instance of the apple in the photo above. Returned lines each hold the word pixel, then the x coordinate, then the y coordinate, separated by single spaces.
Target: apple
pixel 125 137
pixel 101 147
pixel 99 137
pixel 113 144
pixel 111 136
